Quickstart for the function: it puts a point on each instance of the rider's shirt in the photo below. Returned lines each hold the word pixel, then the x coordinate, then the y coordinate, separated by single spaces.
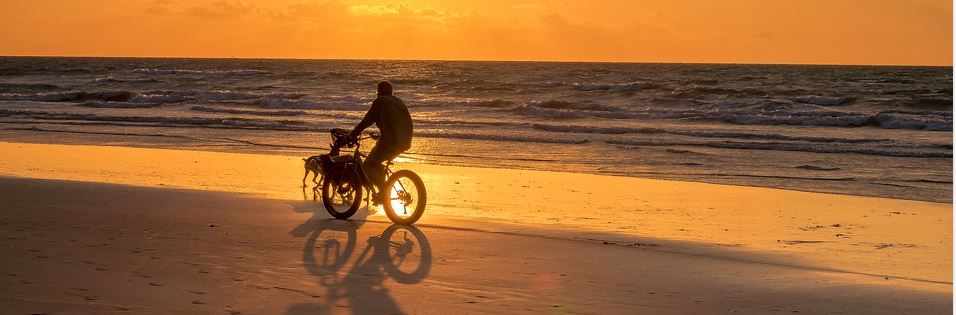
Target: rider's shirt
pixel 391 116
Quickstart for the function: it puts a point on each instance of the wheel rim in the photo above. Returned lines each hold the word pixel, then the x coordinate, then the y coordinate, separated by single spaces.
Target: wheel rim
pixel 404 197
pixel 341 196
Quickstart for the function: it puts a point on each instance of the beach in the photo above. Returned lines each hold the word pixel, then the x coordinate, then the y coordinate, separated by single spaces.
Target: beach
pixel 601 188
pixel 117 229
pixel 540 157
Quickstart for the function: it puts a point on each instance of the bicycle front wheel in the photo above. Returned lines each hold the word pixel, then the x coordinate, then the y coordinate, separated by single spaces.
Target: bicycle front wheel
pixel 342 198
pixel 406 193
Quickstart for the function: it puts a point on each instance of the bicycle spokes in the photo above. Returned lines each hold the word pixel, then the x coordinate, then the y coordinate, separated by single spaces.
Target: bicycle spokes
pixel 406 194
pixel 403 197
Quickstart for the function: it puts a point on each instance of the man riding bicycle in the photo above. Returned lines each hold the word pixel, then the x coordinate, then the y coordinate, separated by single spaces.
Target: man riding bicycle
pixel 391 116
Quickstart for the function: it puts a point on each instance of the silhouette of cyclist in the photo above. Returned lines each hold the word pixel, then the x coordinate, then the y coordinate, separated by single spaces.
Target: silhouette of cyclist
pixel 391 116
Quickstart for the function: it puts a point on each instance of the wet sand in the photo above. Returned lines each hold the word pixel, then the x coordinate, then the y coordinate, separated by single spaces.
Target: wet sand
pixel 82 247
pixel 245 238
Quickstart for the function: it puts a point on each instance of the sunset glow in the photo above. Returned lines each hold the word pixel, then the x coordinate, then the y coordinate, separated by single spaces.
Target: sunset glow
pixel 738 31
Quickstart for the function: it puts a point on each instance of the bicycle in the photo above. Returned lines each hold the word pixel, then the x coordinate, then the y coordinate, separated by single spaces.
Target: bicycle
pixel 344 181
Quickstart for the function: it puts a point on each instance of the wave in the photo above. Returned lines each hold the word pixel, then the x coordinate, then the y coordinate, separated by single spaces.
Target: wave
pixel 933 102
pixel 495 103
pixel 613 87
pixel 229 123
pixel 248 111
pixel 228 95
pixel 158 98
pixel 698 91
pixel 411 81
pixel 25 87
pixel 304 104
pixel 297 74
pixel 557 104
pixel 106 96
pixel 843 119
pixel 817 168
pixel 825 100
pixel 903 121
pixel 596 129
pixel 494 88
pixel 467 103
pixel 99 104
pixel 263 124
pixel 200 72
pixel 267 100
pixel 789 146
pixel 498 137
pixel 762 113
pixel 534 111
pixel 896 80
pixel 111 79
pixel 680 151
pixel 460 122
pixel 696 133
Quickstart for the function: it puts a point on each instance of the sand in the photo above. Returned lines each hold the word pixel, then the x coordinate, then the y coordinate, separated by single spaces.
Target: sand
pixel 201 232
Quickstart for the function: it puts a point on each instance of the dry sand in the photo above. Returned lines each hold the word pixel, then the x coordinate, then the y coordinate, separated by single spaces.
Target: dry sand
pixel 491 241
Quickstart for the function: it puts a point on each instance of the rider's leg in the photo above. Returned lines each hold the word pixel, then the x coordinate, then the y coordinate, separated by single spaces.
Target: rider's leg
pixel 373 166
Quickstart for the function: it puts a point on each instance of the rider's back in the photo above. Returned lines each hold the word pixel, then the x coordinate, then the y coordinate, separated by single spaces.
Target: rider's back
pixel 393 121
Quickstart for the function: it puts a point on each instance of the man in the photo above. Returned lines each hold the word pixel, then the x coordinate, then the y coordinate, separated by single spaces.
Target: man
pixel 391 116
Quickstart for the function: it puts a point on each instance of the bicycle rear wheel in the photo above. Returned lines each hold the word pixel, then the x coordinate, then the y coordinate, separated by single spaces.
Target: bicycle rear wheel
pixel 407 197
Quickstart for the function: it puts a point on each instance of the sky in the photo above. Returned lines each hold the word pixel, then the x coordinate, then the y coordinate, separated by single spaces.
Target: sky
pixel 899 32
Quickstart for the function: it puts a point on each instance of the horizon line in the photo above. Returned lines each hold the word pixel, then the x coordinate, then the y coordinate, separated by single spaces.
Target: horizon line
pixel 482 60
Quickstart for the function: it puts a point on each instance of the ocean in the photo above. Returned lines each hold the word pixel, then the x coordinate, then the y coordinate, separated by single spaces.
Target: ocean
pixel 862 130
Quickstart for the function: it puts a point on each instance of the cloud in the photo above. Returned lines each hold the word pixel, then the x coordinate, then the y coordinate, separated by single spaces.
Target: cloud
pixel 364 9
pixel 220 9
pixel 223 9
pixel 329 10
pixel 357 14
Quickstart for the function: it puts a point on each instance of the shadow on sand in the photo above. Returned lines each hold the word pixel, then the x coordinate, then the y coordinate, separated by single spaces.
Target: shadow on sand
pixel 400 252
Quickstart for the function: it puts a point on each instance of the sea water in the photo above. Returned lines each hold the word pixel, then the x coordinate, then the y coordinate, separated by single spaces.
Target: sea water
pixel 865 130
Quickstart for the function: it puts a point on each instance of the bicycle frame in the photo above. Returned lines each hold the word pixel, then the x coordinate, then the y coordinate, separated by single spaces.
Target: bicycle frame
pixel 362 174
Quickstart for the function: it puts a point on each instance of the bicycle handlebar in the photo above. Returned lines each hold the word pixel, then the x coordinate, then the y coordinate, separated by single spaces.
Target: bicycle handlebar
pixel 342 137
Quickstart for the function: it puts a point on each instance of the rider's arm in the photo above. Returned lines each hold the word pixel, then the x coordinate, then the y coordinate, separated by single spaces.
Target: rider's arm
pixel 370 117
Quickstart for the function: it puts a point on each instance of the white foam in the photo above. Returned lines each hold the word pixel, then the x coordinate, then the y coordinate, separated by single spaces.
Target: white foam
pixel 248 111
pixel 200 72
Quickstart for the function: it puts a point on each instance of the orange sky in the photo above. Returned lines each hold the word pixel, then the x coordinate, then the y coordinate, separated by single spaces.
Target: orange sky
pixel 746 31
